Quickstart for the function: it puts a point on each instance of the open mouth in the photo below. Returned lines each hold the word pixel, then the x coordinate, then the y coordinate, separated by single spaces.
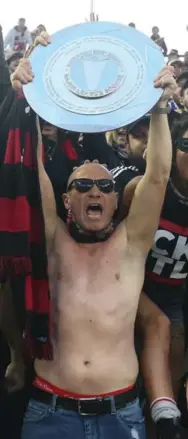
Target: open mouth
pixel 94 210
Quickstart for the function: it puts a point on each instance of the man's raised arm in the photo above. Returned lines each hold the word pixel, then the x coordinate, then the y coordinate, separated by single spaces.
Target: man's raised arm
pixel 47 194
pixel 144 214
pixel 22 75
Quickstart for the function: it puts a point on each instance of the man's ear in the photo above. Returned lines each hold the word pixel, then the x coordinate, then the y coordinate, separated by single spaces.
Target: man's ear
pixel 66 200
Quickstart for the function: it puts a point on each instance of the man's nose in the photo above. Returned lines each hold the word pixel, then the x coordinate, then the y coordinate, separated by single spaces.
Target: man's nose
pixel 94 192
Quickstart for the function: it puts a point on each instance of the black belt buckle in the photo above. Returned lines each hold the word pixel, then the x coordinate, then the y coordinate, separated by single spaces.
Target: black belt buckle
pixel 94 407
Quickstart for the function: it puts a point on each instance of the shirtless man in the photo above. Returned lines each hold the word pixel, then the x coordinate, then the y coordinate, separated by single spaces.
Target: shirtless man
pixel 95 291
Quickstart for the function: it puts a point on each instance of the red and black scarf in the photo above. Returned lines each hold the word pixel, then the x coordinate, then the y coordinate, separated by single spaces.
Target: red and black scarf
pixel 22 240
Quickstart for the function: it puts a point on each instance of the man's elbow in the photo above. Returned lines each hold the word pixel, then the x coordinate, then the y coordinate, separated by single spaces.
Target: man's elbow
pixel 160 177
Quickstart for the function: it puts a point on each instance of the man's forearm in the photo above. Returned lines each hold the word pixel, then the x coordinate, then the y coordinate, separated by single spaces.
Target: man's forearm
pixel 159 150
pixel 8 323
pixel 154 360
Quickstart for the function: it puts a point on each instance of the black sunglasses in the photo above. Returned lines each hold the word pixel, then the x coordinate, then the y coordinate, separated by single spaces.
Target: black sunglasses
pixel 183 144
pixel 85 184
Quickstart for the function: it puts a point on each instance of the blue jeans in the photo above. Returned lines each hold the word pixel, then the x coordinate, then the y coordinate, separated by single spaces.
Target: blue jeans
pixel 42 421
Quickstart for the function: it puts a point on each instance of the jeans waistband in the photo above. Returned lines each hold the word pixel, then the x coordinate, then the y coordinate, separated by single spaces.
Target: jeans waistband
pixel 87 406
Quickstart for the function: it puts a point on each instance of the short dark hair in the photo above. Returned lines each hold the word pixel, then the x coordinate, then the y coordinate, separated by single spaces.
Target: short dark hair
pixel 41 25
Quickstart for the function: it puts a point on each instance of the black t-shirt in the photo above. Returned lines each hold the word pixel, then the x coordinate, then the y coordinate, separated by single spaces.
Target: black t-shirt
pixel 124 174
pixel 167 262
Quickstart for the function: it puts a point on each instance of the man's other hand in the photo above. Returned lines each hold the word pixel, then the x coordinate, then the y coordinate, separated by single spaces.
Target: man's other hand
pixel 22 75
pixel 166 81
pixel 43 39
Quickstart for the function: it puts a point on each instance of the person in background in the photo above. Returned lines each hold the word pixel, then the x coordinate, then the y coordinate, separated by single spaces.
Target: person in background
pixel 132 25
pixel 137 136
pixel 35 33
pixel 18 38
pixel 178 66
pixel 167 262
pixel 159 40
pixel 41 28
pixel 130 142
pixel 181 80
pixel 117 139
pixel 12 61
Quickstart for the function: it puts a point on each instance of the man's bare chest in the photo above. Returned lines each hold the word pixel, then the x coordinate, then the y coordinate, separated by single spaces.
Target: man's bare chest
pixel 104 275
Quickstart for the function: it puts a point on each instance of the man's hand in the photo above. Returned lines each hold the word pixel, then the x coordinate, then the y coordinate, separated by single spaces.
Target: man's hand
pixel 166 81
pixel 22 75
pixel 43 39
pixel 15 376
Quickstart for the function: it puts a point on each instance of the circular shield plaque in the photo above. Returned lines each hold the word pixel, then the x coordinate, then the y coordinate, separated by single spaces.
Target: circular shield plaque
pixel 94 77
